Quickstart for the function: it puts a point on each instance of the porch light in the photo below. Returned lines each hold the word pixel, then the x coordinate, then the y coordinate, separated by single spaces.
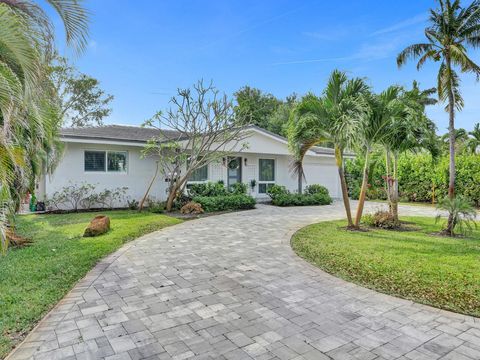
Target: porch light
pixel 245 161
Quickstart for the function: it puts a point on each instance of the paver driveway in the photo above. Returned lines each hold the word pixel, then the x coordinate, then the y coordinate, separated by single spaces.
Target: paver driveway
pixel 230 287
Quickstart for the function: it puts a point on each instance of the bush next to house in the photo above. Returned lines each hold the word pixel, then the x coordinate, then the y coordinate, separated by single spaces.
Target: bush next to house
pixel 225 203
pixel 301 200
pixel 314 195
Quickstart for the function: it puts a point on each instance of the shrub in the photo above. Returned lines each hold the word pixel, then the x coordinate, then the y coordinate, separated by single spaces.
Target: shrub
pixel 157 207
pixel 288 199
pixel 132 204
pixel 72 196
pixel 462 212
pixel 316 189
pixel 276 190
pixel 181 200
pixel 380 219
pixel 238 188
pixel 223 203
pixel 192 208
pixel 207 189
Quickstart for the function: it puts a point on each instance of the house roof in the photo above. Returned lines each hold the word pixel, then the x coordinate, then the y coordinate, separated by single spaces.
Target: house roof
pixel 137 134
pixel 115 132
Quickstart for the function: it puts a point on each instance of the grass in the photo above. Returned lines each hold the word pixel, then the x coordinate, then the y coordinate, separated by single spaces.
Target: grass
pixel 33 279
pixel 416 265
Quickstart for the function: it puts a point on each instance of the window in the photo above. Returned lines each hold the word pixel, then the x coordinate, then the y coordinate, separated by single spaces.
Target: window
pixel 200 174
pixel 105 161
pixel 94 160
pixel 117 161
pixel 266 177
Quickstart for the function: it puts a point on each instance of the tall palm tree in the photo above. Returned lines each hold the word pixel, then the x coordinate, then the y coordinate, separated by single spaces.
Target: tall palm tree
pixel 335 118
pixel 29 120
pixel 473 142
pixel 452 28
pixel 376 126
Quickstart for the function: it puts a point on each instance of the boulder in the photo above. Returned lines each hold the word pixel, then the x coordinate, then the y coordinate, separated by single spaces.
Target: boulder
pixel 98 226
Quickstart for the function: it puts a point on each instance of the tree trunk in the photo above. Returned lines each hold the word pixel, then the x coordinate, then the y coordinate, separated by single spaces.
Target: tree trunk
pixel 395 194
pixel 387 179
pixel 171 198
pixel 363 190
pixel 451 183
pixel 142 203
pixel 300 181
pixel 343 181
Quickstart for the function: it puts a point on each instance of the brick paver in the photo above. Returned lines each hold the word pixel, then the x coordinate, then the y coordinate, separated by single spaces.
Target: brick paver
pixel 230 287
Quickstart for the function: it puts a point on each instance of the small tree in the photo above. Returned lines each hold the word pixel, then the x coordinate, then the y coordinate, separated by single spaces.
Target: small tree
pixel 81 100
pixel 200 128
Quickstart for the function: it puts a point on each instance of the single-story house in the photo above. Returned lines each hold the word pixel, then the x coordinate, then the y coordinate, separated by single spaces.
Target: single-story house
pixel 111 156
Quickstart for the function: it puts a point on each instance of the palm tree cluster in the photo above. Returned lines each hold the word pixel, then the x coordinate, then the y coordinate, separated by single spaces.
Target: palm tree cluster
pixel 353 118
pixel 29 115
pixel 452 29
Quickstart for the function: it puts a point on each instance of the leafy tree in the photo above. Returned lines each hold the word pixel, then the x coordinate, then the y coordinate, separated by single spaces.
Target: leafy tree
pixel 255 107
pixel 335 117
pixel 81 100
pixel 29 117
pixel 202 129
pixel 473 142
pixel 451 31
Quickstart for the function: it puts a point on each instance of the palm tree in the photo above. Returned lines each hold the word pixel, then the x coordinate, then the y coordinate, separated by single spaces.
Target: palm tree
pixel 451 30
pixel 473 142
pixel 335 117
pixel 375 128
pixel 29 120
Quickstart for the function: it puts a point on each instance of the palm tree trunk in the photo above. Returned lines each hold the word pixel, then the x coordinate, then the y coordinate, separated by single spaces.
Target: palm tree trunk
pixel 363 191
pixel 300 180
pixel 451 183
pixel 395 194
pixel 387 179
pixel 343 181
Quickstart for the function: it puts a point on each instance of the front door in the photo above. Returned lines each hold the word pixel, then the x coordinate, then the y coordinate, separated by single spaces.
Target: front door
pixel 234 171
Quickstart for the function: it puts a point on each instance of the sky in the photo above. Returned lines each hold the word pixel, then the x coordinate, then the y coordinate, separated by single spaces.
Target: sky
pixel 143 50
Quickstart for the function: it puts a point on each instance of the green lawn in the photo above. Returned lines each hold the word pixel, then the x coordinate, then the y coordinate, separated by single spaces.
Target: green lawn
pixel 438 271
pixel 35 278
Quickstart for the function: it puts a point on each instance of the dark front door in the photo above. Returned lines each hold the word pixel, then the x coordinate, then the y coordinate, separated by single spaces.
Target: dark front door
pixel 234 170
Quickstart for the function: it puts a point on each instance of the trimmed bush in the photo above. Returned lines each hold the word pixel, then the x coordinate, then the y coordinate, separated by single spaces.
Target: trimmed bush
pixel 207 189
pixel 238 189
pixel 224 203
pixel 316 189
pixel 380 219
pixel 276 190
pixel 302 199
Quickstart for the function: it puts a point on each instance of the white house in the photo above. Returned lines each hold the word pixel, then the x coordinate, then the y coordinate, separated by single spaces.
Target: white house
pixel 110 157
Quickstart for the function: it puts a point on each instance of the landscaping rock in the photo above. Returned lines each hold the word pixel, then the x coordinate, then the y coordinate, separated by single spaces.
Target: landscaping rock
pixel 98 226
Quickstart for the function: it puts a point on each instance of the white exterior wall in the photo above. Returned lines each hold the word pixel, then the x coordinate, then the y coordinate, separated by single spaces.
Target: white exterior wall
pixel 137 177
pixel 319 169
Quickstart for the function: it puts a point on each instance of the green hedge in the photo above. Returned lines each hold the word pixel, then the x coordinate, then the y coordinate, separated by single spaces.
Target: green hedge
pixel 224 203
pixel 420 177
pixel 302 199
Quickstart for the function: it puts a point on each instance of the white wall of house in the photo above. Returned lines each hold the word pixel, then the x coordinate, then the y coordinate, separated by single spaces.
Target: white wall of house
pixel 319 169
pixel 137 177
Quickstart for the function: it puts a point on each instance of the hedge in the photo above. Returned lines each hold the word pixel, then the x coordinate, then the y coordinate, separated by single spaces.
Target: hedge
pixel 302 199
pixel 420 177
pixel 224 203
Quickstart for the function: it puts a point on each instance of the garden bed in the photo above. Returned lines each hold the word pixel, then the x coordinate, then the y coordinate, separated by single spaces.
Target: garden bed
pixel 438 271
pixel 33 279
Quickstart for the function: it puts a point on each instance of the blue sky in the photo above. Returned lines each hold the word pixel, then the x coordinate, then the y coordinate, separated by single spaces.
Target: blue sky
pixel 142 50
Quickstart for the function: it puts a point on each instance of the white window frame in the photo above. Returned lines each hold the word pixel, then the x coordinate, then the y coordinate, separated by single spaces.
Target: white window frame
pixel 106 171
pixel 267 182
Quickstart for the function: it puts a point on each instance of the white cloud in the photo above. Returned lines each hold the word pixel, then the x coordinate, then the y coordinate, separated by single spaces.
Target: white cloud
pixel 420 18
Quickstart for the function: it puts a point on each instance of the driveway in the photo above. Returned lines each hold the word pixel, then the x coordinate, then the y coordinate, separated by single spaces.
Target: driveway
pixel 230 287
